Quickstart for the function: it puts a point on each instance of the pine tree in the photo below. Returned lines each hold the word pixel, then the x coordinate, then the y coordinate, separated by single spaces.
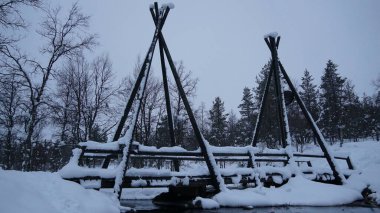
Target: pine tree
pixel 247 106
pixel 269 131
pixel 309 94
pixel 352 113
pixel 162 136
pixel 218 121
pixel 332 101
pixel 300 128
pixel 246 122
pixel 233 130
pixel 370 121
pixel 377 115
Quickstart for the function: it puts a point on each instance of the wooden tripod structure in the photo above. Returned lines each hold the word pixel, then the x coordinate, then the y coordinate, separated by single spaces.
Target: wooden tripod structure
pixel 277 71
pixel 134 104
pixel 124 146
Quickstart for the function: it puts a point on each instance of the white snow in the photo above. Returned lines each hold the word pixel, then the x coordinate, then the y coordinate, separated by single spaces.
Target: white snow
pixel 298 191
pixel 162 149
pixel 272 34
pixel 46 192
pixel 170 5
pixel 103 146
pixel 365 156
pixel 205 203
pixel 38 192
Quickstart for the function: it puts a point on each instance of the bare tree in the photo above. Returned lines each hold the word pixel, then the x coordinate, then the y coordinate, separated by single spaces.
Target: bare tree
pixel 9 117
pixel 100 94
pixel 83 94
pixel 151 106
pixel 202 117
pixel 64 38
pixel 181 120
pixel 61 104
pixel 11 17
pixel 78 74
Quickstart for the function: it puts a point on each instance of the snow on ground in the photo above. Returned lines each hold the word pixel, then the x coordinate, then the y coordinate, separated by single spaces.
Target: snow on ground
pixel 205 203
pixel 48 192
pixel 298 191
pixel 365 157
pixel 37 192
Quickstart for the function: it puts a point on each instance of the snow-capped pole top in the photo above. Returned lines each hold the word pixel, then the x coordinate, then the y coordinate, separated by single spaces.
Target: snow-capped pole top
pixel 169 5
pixel 272 34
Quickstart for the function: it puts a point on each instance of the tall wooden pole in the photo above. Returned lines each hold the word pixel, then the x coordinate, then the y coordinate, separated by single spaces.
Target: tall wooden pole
pixel 127 149
pixel 278 89
pixel 167 96
pixel 262 107
pixel 216 178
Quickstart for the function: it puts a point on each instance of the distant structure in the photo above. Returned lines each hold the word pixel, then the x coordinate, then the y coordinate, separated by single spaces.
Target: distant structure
pixel 269 168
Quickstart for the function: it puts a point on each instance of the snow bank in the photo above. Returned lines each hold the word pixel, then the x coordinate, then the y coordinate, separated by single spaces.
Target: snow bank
pixel 298 191
pixel 205 203
pixel 36 192
pixel 365 156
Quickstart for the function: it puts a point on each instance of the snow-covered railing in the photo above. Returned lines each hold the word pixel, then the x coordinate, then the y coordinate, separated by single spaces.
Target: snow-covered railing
pixel 153 177
pixel 228 153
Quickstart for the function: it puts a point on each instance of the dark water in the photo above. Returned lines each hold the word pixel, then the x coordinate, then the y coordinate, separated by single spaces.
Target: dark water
pixel 148 206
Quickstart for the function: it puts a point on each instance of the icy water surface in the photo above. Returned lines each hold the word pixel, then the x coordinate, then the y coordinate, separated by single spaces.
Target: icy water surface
pixel 148 206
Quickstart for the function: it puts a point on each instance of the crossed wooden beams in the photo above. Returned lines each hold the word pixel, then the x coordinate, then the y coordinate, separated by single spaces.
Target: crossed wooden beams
pixel 276 69
pixel 159 17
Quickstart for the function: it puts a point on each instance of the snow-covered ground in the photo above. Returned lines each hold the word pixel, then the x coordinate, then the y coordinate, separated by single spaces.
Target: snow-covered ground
pixel 300 191
pixel 366 159
pixel 39 192
pixel 47 192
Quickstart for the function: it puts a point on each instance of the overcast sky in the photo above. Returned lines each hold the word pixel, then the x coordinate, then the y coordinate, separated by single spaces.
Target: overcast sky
pixel 221 41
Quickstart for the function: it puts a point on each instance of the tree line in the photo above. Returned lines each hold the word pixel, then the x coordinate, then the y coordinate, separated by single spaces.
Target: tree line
pixel 51 102
pixel 335 106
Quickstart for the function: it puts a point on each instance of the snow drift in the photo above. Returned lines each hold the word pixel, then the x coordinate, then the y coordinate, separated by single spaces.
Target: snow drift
pixel 37 192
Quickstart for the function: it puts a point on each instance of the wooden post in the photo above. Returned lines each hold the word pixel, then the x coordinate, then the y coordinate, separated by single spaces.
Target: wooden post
pixel 147 65
pixel 197 132
pixel 136 86
pixel 278 89
pixel 262 108
pixel 167 100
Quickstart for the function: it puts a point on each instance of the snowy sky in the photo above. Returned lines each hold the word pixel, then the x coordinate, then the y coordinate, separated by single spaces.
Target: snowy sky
pixel 222 41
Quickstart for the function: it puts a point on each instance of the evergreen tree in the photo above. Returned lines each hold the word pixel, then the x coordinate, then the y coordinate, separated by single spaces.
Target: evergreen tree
pixel 218 121
pixel 300 128
pixel 370 122
pixel 247 106
pixel 309 94
pixel 247 120
pixel 269 131
pixel 162 137
pixel 332 101
pixel 352 113
pixel 233 130
pixel 377 115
